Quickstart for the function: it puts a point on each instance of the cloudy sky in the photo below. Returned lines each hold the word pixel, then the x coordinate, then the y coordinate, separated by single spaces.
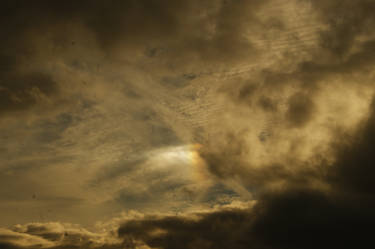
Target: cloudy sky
pixel 173 124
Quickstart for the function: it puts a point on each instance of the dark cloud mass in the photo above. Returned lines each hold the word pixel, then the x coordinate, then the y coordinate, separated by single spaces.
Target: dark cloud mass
pixel 294 217
pixel 187 124
pixel 23 91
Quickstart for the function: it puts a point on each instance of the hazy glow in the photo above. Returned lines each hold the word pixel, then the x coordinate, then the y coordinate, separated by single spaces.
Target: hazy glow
pixel 185 159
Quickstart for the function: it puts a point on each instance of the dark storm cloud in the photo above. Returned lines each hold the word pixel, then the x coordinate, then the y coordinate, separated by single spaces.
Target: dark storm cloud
pixel 216 230
pixel 296 220
pixel 353 172
pixel 296 207
pixel 296 216
pixel 9 246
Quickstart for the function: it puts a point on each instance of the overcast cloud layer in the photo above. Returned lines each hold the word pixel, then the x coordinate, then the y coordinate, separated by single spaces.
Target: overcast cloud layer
pixel 187 124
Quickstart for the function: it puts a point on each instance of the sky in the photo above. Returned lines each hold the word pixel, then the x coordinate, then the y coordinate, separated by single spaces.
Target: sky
pixel 187 124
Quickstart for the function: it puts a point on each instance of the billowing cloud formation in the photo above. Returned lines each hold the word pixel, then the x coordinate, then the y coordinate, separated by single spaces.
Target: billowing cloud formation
pixel 296 216
pixel 229 123
pixel 287 116
pixel 54 235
